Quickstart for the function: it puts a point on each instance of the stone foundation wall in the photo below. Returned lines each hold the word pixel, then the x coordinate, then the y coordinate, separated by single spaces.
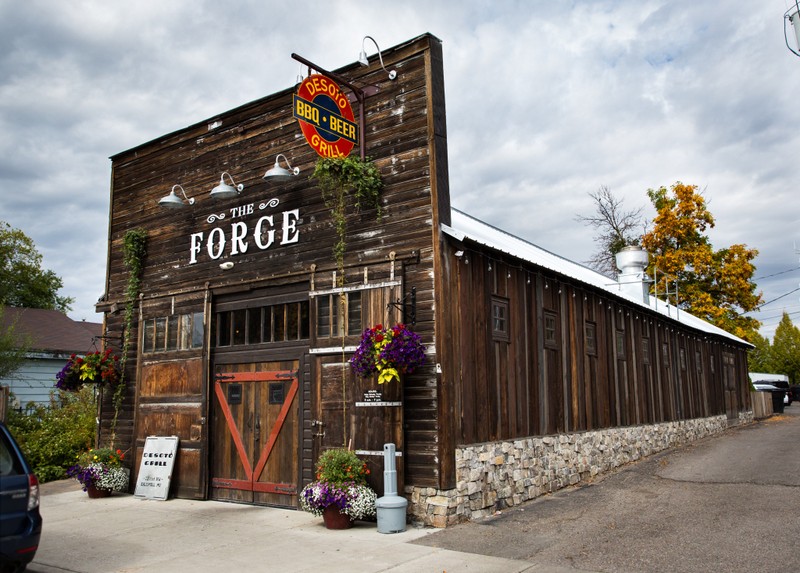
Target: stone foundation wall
pixel 496 475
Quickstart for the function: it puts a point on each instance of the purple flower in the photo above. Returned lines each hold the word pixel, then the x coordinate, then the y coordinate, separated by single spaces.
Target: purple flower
pixel 396 347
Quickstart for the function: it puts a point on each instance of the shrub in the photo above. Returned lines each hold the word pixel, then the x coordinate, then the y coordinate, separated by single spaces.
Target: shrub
pixel 51 437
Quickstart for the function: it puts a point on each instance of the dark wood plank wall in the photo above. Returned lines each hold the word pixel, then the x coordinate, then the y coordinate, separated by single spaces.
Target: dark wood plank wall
pixel 399 138
pixel 525 387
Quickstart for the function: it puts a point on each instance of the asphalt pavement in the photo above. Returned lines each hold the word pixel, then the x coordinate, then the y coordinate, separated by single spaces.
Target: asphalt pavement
pixel 728 503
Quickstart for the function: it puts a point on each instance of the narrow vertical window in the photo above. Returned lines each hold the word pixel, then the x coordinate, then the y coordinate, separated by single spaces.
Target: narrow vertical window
pixel 645 351
pixel 590 335
pixel 550 332
pixel 500 318
pixel 620 337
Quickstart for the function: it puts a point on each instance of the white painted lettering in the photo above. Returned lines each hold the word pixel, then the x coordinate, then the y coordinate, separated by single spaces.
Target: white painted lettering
pixel 218 236
pixel 196 239
pixel 258 233
pixel 238 233
pixel 290 234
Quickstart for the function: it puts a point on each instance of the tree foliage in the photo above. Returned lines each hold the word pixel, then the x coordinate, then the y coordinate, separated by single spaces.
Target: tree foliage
pixel 716 286
pixel 13 347
pixel 23 281
pixel 759 359
pixel 615 228
pixel 785 350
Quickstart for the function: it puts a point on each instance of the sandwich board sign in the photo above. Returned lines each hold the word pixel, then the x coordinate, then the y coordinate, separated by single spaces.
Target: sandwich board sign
pixel 155 469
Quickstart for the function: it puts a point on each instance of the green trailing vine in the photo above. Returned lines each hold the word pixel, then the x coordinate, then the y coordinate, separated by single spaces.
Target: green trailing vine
pixel 134 249
pixel 347 182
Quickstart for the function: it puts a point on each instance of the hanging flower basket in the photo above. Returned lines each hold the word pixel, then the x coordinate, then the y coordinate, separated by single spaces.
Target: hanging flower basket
pixel 388 351
pixel 101 368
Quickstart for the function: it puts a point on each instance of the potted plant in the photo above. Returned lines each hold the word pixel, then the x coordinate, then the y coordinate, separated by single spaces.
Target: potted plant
pixel 100 472
pixel 389 352
pixel 340 493
pixel 101 368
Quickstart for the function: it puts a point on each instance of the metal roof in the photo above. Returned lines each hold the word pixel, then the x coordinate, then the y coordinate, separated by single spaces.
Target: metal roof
pixel 464 226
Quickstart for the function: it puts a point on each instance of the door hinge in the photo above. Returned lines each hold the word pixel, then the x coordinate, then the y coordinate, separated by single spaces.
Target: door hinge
pixel 318 424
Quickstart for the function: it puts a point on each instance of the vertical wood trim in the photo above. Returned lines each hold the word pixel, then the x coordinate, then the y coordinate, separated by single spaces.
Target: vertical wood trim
pixel 440 213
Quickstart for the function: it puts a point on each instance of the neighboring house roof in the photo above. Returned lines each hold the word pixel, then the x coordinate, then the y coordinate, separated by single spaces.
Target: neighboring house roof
pixel 763 377
pixel 51 331
pixel 464 226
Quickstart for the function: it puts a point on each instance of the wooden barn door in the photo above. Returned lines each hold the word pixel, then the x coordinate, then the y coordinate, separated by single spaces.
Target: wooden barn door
pixel 255 423
pixel 350 411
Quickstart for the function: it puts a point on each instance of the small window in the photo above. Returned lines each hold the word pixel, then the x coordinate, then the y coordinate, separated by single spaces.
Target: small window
pixel 620 338
pixel 645 351
pixel 329 309
pixel 500 327
pixel 665 354
pixel 682 357
pixel 590 334
pixel 174 332
pixel 550 332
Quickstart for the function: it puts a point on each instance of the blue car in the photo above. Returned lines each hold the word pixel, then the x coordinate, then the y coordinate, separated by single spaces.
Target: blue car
pixel 20 521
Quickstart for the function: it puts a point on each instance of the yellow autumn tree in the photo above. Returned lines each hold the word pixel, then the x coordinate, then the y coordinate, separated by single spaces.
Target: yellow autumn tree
pixel 716 286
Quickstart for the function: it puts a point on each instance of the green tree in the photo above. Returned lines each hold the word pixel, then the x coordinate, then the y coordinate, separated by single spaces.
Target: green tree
pixel 716 286
pixel 785 352
pixel 12 347
pixel 23 281
pixel 759 359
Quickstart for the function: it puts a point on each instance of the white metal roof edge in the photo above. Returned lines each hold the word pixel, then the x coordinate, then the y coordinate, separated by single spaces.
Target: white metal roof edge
pixel 465 226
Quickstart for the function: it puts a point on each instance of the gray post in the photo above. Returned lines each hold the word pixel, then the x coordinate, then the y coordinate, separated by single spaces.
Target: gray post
pixel 391 507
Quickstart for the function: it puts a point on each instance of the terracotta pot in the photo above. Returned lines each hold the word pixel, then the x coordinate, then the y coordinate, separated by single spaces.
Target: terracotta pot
pixel 95 492
pixel 336 520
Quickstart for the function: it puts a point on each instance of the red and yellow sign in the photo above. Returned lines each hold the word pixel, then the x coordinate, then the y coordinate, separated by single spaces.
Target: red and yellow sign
pixel 325 117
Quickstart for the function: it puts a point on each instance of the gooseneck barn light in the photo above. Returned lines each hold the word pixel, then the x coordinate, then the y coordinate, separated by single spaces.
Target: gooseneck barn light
pixel 278 173
pixel 362 57
pixel 225 191
pixel 793 16
pixel 172 201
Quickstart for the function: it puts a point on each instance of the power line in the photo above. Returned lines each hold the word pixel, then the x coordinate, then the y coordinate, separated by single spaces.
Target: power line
pixel 762 305
pixel 776 274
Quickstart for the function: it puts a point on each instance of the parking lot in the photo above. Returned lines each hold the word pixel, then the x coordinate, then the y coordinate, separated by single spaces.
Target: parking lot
pixel 729 503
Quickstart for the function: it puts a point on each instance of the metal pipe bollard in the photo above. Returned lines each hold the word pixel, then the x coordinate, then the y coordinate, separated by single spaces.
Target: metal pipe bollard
pixel 391 507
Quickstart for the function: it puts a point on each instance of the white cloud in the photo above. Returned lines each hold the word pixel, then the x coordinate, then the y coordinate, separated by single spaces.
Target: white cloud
pixel 546 101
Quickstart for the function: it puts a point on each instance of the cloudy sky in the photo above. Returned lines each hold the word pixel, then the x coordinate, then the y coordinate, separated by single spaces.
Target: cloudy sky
pixel 547 101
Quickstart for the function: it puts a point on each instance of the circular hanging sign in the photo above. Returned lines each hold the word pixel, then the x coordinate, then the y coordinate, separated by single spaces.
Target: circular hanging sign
pixel 325 117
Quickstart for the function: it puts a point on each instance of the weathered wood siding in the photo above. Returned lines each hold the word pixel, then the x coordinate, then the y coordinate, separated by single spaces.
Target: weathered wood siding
pixel 405 136
pixel 644 368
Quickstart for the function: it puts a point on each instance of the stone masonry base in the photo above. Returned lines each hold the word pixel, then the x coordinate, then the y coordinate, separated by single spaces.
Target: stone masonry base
pixel 496 475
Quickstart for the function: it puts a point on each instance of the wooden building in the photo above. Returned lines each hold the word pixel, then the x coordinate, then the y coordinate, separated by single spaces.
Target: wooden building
pixel 240 346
